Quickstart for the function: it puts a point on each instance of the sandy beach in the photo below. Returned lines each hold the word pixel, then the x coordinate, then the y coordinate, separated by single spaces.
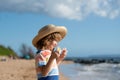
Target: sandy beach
pixel 20 70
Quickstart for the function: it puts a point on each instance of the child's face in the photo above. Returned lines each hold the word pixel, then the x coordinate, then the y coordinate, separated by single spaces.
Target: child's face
pixel 53 44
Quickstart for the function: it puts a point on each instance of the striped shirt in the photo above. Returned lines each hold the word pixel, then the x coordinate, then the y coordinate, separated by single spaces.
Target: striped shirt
pixel 41 60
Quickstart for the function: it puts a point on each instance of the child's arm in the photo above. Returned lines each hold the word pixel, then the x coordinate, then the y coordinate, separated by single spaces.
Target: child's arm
pixel 62 56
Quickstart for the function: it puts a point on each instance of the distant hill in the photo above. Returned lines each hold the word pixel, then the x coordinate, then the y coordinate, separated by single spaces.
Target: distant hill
pixel 96 59
pixel 6 51
pixel 107 56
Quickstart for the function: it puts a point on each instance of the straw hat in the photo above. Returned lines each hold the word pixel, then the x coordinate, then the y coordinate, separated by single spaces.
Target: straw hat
pixel 48 29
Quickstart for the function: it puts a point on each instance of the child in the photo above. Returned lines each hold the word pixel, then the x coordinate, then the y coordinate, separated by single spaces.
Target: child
pixel 47 60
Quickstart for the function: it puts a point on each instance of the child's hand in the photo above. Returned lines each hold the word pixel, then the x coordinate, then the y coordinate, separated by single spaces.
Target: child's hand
pixel 55 54
pixel 63 53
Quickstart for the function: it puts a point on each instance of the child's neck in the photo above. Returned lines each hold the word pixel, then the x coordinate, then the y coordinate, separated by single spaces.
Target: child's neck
pixel 45 48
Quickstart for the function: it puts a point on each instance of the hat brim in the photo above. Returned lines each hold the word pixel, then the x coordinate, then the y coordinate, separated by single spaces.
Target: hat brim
pixel 61 29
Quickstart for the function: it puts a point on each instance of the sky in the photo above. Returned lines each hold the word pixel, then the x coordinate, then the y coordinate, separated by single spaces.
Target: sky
pixel 93 25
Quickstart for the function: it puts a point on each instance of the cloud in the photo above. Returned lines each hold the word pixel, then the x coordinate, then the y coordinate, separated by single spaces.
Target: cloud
pixel 69 9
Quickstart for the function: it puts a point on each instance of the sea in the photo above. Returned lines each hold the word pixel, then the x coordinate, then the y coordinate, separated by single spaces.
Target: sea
pixel 102 71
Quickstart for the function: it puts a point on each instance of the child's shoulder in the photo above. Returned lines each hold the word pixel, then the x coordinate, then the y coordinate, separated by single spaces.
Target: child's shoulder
pixel 44 52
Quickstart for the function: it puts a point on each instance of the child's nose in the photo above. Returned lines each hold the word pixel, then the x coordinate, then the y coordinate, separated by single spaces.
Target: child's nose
pixel 55 44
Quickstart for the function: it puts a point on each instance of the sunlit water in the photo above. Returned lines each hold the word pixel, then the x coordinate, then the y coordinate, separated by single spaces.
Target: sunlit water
pixel 102 71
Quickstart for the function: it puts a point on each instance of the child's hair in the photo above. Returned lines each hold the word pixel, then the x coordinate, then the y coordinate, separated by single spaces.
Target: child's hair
pixel 48 39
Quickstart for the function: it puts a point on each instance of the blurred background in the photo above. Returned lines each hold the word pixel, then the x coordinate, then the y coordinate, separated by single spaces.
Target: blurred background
pixel 93 33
